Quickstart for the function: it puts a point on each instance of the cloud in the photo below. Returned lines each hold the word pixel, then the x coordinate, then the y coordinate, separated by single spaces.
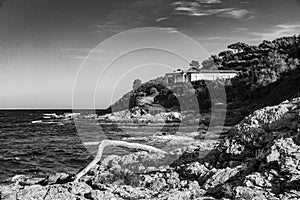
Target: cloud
pixel 219 38
pixel 193 9
pixel 162 19
pixel 237 14
pixel 240 29
pixel 147 3
pixel 90 58
pixel 80 50
pixel 226 40
pixel 210 12
pixel 209 1
pixel 169 30
pixel 82 53
pixel 200 8
pixel 279 30
pixel 133 15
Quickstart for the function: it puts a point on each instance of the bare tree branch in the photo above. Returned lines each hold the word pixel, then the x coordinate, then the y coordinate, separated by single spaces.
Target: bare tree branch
pixel 113 143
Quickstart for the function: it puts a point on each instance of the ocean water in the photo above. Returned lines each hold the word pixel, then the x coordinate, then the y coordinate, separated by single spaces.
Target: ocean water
pixel 38 149
pixel 34 144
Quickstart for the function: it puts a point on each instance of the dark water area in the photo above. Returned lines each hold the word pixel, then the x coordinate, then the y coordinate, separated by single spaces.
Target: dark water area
pixel 38 149
pixel 43 142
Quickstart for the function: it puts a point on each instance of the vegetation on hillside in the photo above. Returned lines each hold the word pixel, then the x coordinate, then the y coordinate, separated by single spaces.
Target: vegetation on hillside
pixel 262 68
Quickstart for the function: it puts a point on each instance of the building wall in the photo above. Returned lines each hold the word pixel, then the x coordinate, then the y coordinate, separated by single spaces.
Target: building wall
pixel 179 78
pixel 170 79
pixel 212 76
pixel 189 77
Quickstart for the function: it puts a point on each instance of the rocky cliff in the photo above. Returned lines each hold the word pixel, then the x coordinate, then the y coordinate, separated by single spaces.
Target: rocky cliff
pixel 259 159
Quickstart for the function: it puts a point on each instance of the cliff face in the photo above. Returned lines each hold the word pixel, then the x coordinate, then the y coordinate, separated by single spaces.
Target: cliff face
pixel 259 159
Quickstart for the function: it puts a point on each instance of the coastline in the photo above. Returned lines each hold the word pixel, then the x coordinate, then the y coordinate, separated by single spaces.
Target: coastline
pixel 251 162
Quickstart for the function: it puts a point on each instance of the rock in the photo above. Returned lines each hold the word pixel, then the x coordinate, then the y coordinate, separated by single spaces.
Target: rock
pixel 257 180
pixel 194 188
pixel 173 117
pixel 194 171
pixel 287 154
pixel 33 192
pixel 128 192
pixel 158 184
pixel 291 195
pixel 18 178
pixel 221 176
pixel 57 178
pixel 266 142
pixel 72 191
pixel 173 180
pixel 259 159
pixel 247 193
pixel 134 161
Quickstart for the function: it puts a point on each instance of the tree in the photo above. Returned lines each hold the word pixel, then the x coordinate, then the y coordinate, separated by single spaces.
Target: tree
pixel 113 143
pixel 153 90
pixel 239 46
pixel 266 45
pixel 137 83
pixel 225 54
pixel 217 60
pixel 208 64
pixel 195 64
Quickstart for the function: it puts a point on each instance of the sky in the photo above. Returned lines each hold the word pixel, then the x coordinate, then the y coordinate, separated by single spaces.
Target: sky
pixel 64 53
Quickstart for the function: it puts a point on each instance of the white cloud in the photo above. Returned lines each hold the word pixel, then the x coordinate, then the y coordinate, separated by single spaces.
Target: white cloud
pixel 279 30
pixel 288 27
pixel 240 29
pixel 219 38
pixel 185 8
pixel 210 12
pixel 162 19
pixel 209 1
pixel 192 10
pixel 198 8
pixel 90 58
pixel 237 14
pixel 169 30
pixel 80 50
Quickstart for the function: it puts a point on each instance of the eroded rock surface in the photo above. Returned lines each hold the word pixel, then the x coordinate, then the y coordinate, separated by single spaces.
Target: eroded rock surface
pixel 259 159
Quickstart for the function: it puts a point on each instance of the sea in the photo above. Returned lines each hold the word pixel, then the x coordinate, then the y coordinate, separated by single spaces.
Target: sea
pixel 39 143
pixel 39 148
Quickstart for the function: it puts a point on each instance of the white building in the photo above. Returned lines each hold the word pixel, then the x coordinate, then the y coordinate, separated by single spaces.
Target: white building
pixel 194 75
pixel 212 75
pixel 178 76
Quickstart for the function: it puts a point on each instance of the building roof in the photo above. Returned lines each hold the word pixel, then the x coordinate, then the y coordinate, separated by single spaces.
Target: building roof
pixel 218 71
pixel 204 71
pixel 172 73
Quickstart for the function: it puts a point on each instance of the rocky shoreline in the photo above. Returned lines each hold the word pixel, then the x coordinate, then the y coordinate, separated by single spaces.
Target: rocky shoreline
pixel 258 159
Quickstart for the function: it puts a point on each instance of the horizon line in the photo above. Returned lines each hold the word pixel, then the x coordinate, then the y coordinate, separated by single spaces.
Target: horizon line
pixel 54 108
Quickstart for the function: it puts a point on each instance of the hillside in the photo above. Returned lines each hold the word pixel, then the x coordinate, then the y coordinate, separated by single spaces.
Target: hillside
pixel 269 73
